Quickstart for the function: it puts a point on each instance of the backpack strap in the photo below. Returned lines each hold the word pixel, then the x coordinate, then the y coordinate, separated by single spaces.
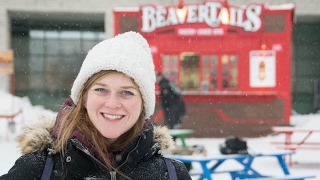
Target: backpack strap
pixel 171 170
pixel 47 168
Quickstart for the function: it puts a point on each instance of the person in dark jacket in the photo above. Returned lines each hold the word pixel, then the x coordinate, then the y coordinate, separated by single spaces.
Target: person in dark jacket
pixel 103 131
pixel 171 101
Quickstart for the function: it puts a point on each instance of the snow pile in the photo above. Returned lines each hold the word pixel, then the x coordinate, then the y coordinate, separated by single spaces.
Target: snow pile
pixel 25 112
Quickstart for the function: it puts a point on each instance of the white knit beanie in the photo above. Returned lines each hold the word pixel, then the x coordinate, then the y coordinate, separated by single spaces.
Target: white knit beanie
pixel 128 53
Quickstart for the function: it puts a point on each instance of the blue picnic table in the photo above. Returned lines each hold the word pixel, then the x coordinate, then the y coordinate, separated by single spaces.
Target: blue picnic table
pixel 248 172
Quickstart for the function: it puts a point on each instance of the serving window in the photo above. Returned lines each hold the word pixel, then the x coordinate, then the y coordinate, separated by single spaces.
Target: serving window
pixel 189 76
pixel 170 64
pixel 207 72
pixel 219 72
pixel 229 71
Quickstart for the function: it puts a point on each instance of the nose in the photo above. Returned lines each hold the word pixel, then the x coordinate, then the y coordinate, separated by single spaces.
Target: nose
pixel 112 101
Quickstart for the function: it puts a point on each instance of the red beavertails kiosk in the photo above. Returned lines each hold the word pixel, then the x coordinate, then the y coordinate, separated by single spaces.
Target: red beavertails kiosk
pixel 233 63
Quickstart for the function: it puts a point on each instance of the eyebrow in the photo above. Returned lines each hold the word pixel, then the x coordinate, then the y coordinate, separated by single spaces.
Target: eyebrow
pixel 124 87
pixel 100 84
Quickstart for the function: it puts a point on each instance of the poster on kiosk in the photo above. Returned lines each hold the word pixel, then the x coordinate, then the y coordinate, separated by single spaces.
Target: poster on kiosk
pixel 262 68
pixel 232 63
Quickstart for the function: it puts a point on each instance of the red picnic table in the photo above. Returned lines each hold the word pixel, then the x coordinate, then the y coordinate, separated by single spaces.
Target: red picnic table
pixel 302 143
pixel 10 119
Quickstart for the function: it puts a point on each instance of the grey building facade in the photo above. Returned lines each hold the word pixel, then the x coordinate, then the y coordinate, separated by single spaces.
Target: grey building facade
pixel 51 38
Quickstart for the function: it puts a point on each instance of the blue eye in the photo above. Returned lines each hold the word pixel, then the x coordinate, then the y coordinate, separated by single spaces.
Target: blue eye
pixel 127 93
pixel 100 90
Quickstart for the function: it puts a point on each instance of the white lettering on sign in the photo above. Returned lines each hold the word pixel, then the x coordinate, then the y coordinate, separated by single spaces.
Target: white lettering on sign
pixel 187 31
pixel 210 13
pixel 200 31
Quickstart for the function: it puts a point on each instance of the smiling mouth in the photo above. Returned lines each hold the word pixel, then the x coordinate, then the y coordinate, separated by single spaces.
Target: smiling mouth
pixel 112 117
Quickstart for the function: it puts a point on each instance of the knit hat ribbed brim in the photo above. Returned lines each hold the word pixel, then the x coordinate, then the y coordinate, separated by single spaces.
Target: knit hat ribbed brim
pixel 128 53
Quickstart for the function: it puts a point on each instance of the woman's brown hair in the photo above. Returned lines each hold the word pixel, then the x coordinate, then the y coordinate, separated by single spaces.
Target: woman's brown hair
pixel 77 119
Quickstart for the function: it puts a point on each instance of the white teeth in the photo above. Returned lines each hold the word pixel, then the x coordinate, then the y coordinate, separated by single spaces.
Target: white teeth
pixel 112 117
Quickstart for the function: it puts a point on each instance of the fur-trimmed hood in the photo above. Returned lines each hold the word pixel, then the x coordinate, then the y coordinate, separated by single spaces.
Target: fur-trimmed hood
pixel 38 136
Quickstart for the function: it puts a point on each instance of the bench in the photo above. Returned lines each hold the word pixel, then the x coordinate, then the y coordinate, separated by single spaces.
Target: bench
pixel 181 133
pixel 288 144
pixel 294 147
pixel 246 160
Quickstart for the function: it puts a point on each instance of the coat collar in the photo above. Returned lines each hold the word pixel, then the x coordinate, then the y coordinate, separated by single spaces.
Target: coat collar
pixel 38 136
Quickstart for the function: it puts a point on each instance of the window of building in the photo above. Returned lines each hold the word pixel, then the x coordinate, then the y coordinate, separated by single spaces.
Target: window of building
pixel 56 57
pixel 209 70
pixel 189 77
pixel 170 64
pixel 229 71
pixel 47 62
pixel 219 72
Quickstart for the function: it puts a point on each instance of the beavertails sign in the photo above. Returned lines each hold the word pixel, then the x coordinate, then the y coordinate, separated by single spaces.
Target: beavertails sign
pixel 205 19
pixel 212 14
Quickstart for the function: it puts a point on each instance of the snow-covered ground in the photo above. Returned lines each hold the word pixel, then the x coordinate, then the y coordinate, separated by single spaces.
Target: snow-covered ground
pixel 305 162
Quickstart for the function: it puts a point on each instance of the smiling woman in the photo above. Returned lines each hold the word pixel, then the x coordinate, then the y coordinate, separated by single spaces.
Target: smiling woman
pixel 104 130
pixel 114 105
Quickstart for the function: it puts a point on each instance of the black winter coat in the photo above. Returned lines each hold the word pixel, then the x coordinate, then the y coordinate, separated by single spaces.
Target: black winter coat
pixel 141 160
pixel 172 103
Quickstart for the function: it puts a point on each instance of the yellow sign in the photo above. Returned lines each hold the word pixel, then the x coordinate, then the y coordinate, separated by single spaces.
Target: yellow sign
pixel 6 62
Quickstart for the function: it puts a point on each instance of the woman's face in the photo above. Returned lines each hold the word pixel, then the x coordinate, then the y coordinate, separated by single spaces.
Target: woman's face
pixel 114 104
